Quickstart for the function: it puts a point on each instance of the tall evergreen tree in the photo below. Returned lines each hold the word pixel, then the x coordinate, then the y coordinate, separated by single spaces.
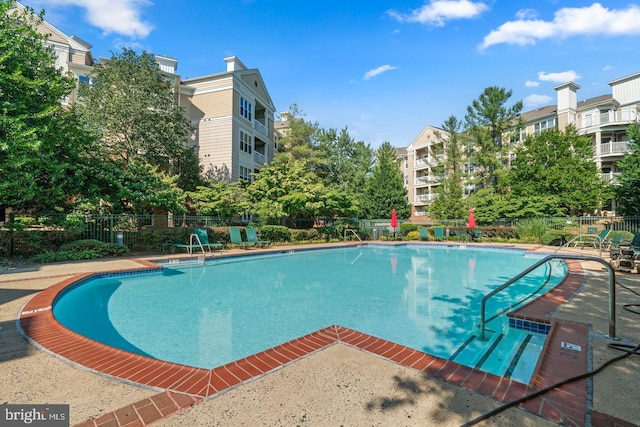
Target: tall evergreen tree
pixel 487 120
pixel 385 188
pixel 449 202
pixel 628 193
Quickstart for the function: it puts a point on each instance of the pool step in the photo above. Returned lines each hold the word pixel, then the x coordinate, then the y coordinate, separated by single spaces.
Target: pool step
pixel 513 354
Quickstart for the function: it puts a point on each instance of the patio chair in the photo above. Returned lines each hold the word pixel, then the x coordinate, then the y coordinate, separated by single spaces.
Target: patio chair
pixel 614 242
pixel 252 236
pixel 438 233
pixel 236 238
pixel 596 240
pixel 199 239
pixel 424 234
pixel 461 235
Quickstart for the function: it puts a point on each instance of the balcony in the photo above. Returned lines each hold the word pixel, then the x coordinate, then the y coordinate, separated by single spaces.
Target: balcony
pixel 611 177
pixel 262 129
pixel 610 118
pixel 425 197
pixel 615 148
pixel 259 158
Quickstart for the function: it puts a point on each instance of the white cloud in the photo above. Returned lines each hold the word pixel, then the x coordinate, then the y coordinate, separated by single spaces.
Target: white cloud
pixel 437 12
pixel 113 16
pixel 526 14
pixel 537 100
pixel 372 73
pixel 563 77
pixel 607 68
pixel 530 83
pixel 567 22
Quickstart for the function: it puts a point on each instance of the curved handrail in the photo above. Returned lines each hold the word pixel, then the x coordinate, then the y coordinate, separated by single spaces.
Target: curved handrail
pixel 354 233
pixel 612 289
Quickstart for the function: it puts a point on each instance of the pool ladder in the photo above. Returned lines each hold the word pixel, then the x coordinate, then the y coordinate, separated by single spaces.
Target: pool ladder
pixel 612 290
pixel 352 231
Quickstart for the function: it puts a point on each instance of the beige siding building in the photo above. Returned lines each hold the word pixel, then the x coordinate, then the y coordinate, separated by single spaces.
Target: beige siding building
pixel 604 119
pixel 231 112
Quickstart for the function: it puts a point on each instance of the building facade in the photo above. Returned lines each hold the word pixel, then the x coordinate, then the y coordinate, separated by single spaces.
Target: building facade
pixel 604 119
pixel 231 112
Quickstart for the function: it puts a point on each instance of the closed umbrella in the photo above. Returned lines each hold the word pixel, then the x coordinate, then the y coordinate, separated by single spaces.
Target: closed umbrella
pixel 394 222
pixel 471 223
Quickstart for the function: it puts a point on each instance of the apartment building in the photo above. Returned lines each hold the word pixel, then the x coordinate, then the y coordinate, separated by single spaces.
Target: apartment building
pixel 233 119
pixel 604 119
pixel 231 111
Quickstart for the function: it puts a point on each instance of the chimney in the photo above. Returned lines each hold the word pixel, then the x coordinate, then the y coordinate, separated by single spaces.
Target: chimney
pixel 234 64
pixel 567 104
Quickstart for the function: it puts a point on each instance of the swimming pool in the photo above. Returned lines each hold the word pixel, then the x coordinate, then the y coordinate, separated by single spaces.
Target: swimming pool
pixel 423 297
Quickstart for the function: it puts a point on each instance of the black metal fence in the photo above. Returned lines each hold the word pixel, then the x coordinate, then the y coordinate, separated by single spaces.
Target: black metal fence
pixel 126 229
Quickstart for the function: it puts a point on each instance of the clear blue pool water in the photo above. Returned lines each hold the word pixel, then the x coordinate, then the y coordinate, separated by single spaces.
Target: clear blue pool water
pixel 423 297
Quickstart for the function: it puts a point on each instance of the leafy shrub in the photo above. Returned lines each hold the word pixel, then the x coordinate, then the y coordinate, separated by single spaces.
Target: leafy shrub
pixel 328 232
pixel 102 248
pixel 275 233
pixel 555 237
pixel 407 227
pixel 58 256
pixel 413 235
pixel 299 235
pixel 531 229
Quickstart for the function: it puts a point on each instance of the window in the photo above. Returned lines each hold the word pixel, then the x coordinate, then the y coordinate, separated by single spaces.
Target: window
pixel 540 127
pixel 84 79
pixel 245 142
pixel 245 174
pixel 245 108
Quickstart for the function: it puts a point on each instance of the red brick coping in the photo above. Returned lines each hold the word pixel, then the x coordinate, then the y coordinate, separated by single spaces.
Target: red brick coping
pixel 183 386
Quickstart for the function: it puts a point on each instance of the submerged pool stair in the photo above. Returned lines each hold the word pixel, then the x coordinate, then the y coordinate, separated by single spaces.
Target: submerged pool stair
pixel 512 353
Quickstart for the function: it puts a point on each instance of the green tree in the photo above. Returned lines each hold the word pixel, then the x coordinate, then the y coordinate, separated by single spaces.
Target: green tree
pixel 488 119
pixel 287 188
pixel 449 202
pixel 559 164
pixel 220 198
pixel 347 163
pixel 627 193
pixel 44 149
pixel 384 188
pixel 132 105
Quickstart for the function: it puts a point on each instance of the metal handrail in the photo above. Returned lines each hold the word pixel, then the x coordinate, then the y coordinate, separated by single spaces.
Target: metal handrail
pixel 612 290
pixel 354 233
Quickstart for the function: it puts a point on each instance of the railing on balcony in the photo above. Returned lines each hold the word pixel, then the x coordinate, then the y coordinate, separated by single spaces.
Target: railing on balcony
pixel 260 128
pixel 614 148
pixel 611 177
pixel 259 158
pixel 425 197
pixel 610 118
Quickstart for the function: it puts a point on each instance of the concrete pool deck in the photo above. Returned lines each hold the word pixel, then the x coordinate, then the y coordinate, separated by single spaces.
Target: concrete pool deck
pixel 338 383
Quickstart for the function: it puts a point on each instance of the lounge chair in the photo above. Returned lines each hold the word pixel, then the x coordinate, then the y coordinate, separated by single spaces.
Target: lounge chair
pixel 593 239
pixel 199 239
pixel 252 237
pixel 461 235
pixel 614 242
pixel 424 234
pixel 236 238
pixel 476 235
pixel 438 233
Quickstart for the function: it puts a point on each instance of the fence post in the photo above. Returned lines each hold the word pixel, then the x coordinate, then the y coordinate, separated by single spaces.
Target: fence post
pixel 11 229
pixel 111 236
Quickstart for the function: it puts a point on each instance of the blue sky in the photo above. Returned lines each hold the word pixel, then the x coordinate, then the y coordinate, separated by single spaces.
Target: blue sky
pixel 383 69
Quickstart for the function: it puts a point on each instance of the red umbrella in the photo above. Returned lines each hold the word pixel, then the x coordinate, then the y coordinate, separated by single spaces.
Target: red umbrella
pixel 394 218
pixel 472 219
pixel 394 221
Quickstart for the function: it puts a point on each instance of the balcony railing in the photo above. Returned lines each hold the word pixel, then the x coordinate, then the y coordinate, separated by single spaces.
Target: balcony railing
pixel 609 148
pixel 260 128
pixel 611 177
pixel 617 117
pixel 259 158
pixel 425 197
